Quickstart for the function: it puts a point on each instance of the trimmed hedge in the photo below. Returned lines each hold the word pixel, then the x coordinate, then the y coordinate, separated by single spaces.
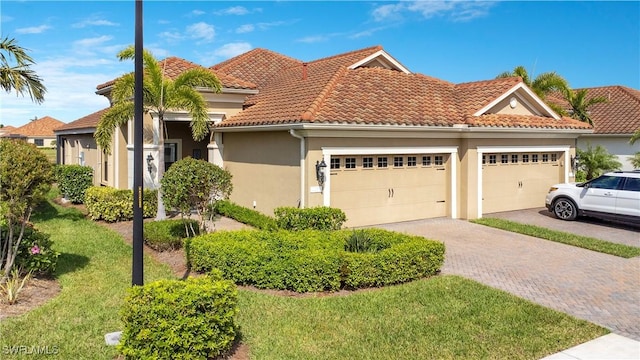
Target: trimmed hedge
pixel 316 218
pixel 245 215
pixel 111 205
pixel 168 234
pixel 313 260
pixel 73 181
pixel 174 319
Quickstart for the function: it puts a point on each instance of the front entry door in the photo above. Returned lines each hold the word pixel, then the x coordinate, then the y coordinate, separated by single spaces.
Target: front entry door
pixel 170 154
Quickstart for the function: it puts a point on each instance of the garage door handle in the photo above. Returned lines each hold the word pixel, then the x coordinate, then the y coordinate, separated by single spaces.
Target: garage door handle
pixel 608 194
pixel 392 192
pixel 389 190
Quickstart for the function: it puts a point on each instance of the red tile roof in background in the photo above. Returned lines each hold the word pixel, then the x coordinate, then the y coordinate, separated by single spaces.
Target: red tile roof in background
pixel 40 127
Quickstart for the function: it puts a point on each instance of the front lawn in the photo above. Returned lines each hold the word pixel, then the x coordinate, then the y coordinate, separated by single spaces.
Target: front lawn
pixel 584 242
pixel 440 317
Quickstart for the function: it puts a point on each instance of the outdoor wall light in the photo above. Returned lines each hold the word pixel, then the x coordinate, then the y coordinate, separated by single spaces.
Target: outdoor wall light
pixel 320 166
pixel 149 163
pixel 574 162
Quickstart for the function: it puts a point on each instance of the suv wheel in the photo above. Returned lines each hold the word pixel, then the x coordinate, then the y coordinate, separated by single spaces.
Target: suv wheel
pixel 565 209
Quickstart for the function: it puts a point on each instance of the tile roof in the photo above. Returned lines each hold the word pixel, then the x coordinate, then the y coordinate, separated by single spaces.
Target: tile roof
pixel 86 122
pixel 174 66
pixel 327 91
pixel 619 115
pixel 40 127
pixel 257 66
pixel 473 96
pixel 524 121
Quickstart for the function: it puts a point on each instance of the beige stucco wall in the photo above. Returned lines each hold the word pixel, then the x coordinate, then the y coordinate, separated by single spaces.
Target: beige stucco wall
pixel 47 141
pixel 84 144
pixel 504 107
pixel 265 168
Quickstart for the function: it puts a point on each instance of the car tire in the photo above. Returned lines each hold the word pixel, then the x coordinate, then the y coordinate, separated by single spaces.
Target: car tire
pixel 565 209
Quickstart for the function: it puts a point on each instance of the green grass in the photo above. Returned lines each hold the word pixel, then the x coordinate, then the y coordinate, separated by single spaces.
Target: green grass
pixel 584 242
pixel 445 317
pixel 50 153
pixel 442 317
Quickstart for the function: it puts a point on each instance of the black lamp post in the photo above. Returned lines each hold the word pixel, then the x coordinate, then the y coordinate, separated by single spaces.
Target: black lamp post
pixel 137 275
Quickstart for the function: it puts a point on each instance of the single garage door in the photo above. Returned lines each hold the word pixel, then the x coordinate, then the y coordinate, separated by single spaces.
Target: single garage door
pixel 378 189
pixel 513 181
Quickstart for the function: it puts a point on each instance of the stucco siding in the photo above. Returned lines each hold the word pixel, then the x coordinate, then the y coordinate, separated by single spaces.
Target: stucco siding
pixel 616 145
pixel 265 167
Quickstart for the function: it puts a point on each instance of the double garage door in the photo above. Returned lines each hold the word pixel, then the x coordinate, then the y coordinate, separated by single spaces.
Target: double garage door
pixel 513 181
pixel 377 189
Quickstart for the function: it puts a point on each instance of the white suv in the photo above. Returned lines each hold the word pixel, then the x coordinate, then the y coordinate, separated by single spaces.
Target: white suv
pixel 614 195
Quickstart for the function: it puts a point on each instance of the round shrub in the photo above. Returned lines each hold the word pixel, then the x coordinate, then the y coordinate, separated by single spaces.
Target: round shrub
pixel 175 319
pixel 313 260
pixel 73 181
pixel 35 253
pixel 165 235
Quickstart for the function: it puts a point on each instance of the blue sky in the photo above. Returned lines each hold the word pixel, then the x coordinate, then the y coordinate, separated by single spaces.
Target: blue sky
pixel 75 42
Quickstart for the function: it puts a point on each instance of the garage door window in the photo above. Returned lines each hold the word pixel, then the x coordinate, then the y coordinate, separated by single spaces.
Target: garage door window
pixel 534 158
pixel 545 158
pixel 411 161
pixel 525 158
pixel 350 163
pixel 382 162
pixel 335 163
pixel 492 159
pixel 438 160
pixel 367 162
pixel 398 161
pixel 514 158
pixel 426 161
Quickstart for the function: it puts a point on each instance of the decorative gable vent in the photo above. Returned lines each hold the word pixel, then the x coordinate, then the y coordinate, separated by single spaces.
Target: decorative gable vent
pixel 382 60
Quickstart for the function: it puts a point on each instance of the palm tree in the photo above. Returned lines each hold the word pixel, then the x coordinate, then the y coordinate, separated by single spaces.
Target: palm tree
pixel 635 137
pixel 161 95
pixel 635 160
pixel 595 162
pixel 542 85
pixel 580 104
pixel 19 76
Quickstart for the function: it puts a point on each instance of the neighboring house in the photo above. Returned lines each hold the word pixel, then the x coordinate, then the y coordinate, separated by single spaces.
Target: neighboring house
pixel 6 130
pixel 39 132
pixel 76 146
pixel 397 145
pixel 614 122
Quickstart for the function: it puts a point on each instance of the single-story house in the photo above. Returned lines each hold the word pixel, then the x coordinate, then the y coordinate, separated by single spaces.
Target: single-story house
pixel 38 131
pixel 614 122
pixel 397 145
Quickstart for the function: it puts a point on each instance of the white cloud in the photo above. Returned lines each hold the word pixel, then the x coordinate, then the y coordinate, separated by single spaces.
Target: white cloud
pixel 33 30
pixel 197 13
pixel 234 10
pixel 454 10
pixel 268 25
pixel 5 18
pixel 232 49
pixel 90 45
pixel 201 31
pixel 171 36
pixel 94 22
pixel 246 28
pixel 366 33
pixel 313 39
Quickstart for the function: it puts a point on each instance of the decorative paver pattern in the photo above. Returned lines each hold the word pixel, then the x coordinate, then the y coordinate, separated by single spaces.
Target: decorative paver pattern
pixel 596 287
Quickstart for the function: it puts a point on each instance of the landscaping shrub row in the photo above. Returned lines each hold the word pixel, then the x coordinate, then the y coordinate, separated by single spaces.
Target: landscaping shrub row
pixel 245 215
pixel 286 218
pixel 312 260
pixel 73 181
pixel 111 205
pixel 318 218
pixel 174 319
pixel 168 234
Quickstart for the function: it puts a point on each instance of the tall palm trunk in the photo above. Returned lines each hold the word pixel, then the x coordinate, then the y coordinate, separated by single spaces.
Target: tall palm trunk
pixel 161 214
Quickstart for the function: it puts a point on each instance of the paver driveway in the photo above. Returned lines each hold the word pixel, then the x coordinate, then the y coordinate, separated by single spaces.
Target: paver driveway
pixel 596 287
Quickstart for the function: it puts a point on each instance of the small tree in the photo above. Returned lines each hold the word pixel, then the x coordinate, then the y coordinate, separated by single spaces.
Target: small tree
pixel 635 160
pixel 191 184
pixel 25 177
pixel 596 161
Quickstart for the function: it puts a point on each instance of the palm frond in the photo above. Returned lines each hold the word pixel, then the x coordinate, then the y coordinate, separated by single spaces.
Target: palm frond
pixel 198 78
pixel 117 115
pixel 548 82
pixel 190 99
pixel 635 137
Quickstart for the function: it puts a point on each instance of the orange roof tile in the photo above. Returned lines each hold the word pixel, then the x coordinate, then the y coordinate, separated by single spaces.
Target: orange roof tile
pixel 86 122
pixel 174 66
pixel 40 127
pixel 257 66
pixel 524 121
pixel 473 96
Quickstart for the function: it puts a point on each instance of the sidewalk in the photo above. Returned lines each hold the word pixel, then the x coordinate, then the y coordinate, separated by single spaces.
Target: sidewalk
pixel 608 347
